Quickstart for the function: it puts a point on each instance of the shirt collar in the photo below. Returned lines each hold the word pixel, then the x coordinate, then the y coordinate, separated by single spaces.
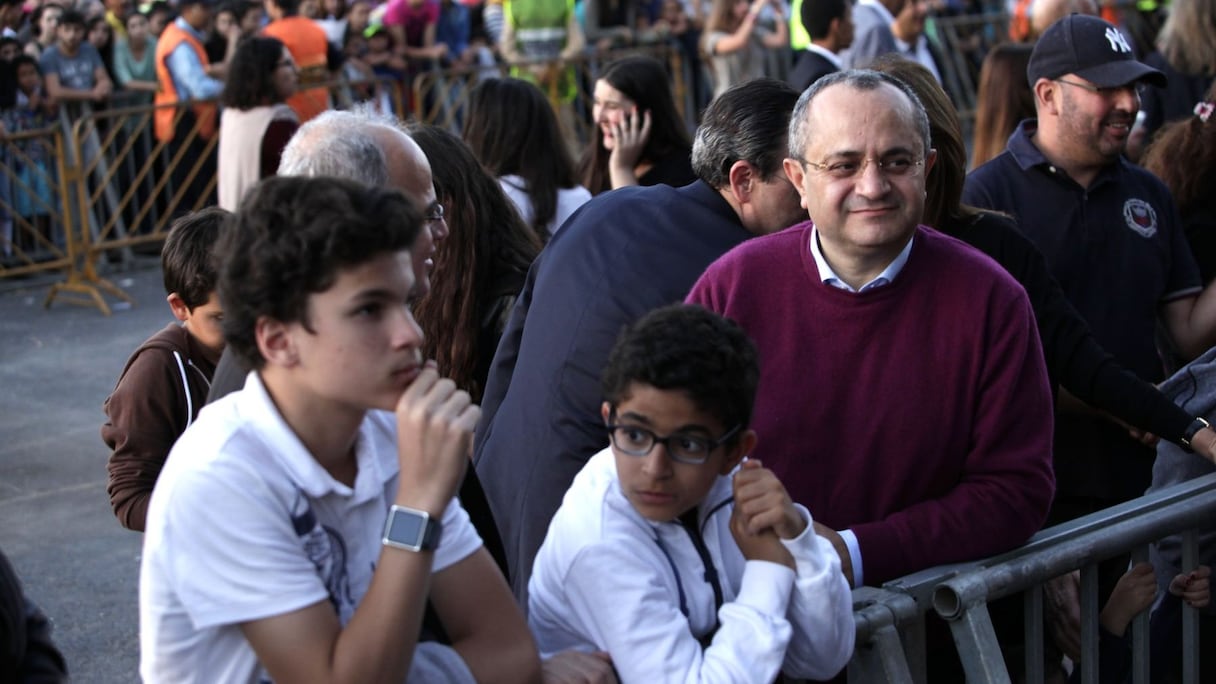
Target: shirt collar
pixel 181 24
pixel 829 277
pixel 282 444
pixel 1028 155
pixel 826 54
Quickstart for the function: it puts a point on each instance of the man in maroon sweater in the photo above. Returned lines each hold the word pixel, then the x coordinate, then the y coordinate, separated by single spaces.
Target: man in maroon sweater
pixel 903 395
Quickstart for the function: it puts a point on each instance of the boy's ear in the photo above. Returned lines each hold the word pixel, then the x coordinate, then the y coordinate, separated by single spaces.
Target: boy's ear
pixel 605 411
pixel 275 342
pixel 178 306
pixel 745 446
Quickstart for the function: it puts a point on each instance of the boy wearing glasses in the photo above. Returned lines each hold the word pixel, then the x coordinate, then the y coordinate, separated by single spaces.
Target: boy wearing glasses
pixel 672 554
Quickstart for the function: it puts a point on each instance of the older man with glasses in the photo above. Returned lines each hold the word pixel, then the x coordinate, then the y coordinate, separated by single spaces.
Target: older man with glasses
pixel 903 396
pixel 373 150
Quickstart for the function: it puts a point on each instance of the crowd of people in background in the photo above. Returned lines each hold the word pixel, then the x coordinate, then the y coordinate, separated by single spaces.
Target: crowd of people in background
pixel 1028 270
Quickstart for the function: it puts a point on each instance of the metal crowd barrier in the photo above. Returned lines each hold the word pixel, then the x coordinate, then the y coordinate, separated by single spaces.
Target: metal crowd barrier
pixel 32 197
pixel 119 188
pixel 890 620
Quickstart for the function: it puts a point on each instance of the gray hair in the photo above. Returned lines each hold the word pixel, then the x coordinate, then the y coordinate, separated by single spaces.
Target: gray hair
pixel 746 123
pixel 342 144
pixel 858 79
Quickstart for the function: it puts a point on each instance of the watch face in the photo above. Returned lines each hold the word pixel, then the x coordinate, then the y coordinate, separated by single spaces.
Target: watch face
pixel 406 528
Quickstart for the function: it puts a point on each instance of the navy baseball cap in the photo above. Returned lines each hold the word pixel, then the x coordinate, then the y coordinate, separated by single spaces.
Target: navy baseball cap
pixel 1092 49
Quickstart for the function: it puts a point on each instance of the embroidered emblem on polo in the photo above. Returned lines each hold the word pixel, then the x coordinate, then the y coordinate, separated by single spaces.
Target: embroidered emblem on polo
pixel 1140 217
pixel 1117 42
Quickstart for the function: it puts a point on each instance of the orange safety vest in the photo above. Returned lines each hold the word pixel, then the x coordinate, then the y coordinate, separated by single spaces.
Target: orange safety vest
pixel 306 41
pixel 166 93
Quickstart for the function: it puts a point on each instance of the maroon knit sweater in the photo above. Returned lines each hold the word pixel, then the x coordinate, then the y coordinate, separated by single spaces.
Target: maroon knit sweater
pixel 917 414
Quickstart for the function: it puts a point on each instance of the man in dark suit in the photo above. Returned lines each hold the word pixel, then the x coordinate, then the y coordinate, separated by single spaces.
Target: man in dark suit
pixel 872 20
pixel 829 23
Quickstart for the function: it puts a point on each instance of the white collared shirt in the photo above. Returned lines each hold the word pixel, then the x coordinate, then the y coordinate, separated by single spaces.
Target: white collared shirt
pixel 827 54
pixel 828 276
pixel 881 8
pixel 920 54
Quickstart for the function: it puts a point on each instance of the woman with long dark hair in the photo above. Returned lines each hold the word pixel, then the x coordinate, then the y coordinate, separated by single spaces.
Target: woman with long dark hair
pixel 1183 156
pixel 512 129
pixel 1003 99
pixel 479 268
pixel 256 123
pixel 640 138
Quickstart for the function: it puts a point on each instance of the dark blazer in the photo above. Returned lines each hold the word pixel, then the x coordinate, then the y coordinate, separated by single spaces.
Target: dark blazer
pixel 872 37
pixel 810 67
pixel 619 256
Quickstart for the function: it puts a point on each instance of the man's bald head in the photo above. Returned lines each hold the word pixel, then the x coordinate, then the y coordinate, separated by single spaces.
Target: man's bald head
pixel 370 148
pixel 1044 13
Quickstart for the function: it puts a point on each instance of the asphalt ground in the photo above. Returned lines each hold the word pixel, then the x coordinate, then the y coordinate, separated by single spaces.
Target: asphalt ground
pixel 77 563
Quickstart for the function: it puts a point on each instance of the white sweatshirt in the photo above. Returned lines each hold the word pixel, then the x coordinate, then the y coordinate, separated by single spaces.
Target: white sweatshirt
pixel 607 579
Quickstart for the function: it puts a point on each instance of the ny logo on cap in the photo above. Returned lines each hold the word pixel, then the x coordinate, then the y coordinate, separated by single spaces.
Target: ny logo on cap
pixel 1117 42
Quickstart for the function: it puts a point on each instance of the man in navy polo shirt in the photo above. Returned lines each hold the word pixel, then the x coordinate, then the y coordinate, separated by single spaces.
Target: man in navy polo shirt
pixel 1111 235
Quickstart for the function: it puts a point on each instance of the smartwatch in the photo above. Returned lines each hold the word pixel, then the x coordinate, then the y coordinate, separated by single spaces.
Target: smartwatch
pixel 411 529
pixel 1195 426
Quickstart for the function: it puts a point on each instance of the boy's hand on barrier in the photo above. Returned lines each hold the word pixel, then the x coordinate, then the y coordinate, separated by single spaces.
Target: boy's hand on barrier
pixel 759 514
pixel 1193 587
pixel 762 501
pixel 1062 601
pixel 576 667
pixel 435 422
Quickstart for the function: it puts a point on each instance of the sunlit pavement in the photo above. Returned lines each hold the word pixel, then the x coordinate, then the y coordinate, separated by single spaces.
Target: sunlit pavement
pixel 56 527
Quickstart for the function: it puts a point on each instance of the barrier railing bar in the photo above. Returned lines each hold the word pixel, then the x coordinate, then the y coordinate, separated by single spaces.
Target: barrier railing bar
pixel 879 654
pixel 1032 601
pixel 1089 623
pixel 1190 616
pixel 1183 506
pixel 83 285
pixel 1141 656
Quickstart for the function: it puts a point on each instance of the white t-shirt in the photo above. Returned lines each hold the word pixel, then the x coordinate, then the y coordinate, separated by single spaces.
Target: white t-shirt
pixel 568 200
pixel 244 524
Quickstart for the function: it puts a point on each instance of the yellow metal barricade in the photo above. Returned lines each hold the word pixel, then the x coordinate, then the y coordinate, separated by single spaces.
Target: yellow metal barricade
pixel 121 188
pixel 31 206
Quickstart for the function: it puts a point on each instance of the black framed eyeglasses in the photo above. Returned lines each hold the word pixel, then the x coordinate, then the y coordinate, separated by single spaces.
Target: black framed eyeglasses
pixel 1136 87
pixel 633 440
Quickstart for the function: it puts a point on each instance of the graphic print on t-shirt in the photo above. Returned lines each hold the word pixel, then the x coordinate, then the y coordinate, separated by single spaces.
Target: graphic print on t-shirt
pixel 326 549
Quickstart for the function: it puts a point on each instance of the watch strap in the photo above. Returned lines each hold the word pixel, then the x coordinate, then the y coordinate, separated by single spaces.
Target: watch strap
pixel 1191 430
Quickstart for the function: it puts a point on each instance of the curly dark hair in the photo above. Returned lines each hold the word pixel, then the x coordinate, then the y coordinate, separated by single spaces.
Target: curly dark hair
pixel 250 81
pixel 289 240
pixel 688 348
pixel 512 129
pixel 1183 156
pixel 479 268
pixel 187 264
pixel 643 80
